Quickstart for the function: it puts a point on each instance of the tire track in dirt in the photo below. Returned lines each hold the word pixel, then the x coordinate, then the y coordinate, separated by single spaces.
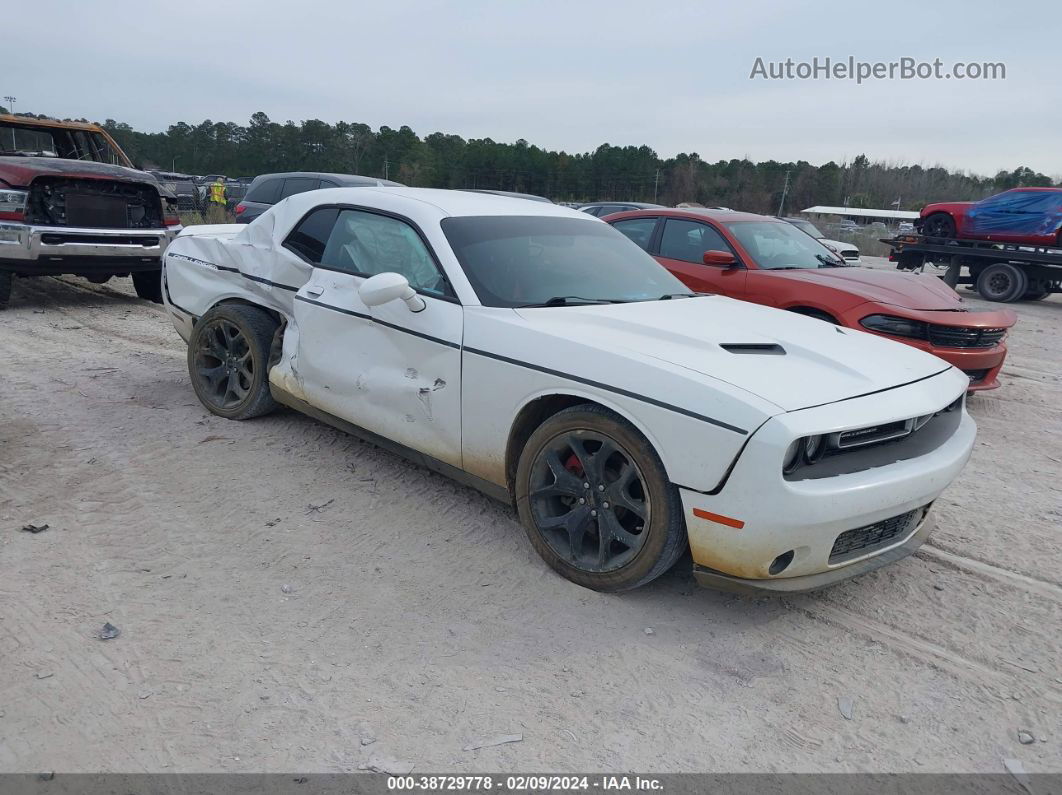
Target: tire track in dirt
pixel 1043 588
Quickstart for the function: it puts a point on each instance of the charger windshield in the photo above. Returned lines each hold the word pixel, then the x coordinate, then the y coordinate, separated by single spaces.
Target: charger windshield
pixel 543 260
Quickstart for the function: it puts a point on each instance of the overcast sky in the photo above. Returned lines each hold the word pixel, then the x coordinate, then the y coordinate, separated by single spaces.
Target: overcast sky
pixel 564 75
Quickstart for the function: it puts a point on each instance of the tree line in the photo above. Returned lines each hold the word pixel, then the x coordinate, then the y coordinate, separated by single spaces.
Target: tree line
pixel 632 173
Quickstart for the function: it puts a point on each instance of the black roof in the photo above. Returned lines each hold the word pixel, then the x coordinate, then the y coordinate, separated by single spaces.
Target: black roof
pixel 637 205
pixel 351 180
pixel 511 194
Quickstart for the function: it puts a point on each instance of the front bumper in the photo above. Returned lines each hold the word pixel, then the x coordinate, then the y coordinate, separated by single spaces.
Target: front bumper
pixel 981 365
pixel 51 250
pixel 710 578
pixel 759 517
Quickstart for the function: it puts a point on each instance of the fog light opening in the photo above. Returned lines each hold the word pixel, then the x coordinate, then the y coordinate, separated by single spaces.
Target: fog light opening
pixel 781 563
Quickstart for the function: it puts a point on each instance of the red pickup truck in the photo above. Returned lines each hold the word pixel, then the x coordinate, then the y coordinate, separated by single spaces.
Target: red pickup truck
pixel 72 203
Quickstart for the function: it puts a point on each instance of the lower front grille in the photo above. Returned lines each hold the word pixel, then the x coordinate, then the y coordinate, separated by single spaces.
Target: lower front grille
pixel 976 376
pixel 854 543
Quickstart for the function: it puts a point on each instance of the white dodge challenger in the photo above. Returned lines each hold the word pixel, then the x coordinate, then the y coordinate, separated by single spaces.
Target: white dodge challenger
pixel 537 354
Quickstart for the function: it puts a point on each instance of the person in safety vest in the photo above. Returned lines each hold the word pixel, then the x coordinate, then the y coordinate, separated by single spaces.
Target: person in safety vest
pixel 217 192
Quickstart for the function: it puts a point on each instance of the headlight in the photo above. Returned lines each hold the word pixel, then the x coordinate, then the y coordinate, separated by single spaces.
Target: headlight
pixel 792 457
pixel 813 447
pixel 806 450
pixel 897 326
pixel 13 204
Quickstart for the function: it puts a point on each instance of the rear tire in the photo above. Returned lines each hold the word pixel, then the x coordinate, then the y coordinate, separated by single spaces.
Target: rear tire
pixel 1003 282
pixel 939 225
pixel 148 285
pixel 595 501
pixel 6 280
pixel 228 361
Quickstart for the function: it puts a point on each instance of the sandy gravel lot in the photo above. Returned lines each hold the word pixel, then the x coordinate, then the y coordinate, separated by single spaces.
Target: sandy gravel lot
pixel 291 599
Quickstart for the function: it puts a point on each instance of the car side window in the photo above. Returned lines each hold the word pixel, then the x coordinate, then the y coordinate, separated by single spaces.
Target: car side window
pixel 639 230
pixel 688 240
pixel 327 183
pixel 310 238
pixel 266 192
pixel 365 244
pixel 293 185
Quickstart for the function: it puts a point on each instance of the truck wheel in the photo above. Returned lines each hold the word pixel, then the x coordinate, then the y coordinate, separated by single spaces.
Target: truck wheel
pixel 939 225
pixel 148 285
pixel 228 361
pixel 5 288
pixel 1002 281
pixel 1037 290
pixel 595 501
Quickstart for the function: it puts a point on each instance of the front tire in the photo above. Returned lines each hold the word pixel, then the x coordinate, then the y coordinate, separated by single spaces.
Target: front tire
pixel 228 361
pixel 148 285
pixel 939 225
pixel 595 501
pixel 818 314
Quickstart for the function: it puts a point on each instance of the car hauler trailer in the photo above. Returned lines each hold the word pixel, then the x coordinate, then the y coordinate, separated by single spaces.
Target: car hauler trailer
pixel 998 271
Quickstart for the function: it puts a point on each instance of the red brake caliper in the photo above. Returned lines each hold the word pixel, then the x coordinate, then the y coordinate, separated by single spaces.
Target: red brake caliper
pixel 573 465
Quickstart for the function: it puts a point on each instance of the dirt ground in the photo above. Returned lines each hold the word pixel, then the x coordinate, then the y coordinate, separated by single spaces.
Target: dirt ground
pixel 291 599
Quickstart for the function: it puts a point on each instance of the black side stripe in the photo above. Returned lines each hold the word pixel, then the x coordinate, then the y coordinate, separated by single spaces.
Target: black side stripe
pixel 529 366
pixel 617 390
pixel 258 279
pixel 363 316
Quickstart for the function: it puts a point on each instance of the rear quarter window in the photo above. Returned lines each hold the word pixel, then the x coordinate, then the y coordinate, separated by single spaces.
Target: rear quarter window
pixel 293 185
pixel 265 192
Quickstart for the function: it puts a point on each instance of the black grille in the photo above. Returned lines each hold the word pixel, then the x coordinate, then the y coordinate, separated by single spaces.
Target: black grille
pixel 959 337
pixel 863 539
pixel 976 376
pixel 93 203
pixel 60 238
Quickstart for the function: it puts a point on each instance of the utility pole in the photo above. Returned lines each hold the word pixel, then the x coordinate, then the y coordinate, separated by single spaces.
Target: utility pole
pixel 386 166
pixel 785 190
pixel 11 108
pixel 656 185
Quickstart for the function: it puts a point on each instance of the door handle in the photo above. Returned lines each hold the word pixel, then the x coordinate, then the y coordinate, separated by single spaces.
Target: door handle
pixel 314 291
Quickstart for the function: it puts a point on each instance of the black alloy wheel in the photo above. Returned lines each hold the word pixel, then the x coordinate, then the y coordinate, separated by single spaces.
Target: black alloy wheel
pixel 589 500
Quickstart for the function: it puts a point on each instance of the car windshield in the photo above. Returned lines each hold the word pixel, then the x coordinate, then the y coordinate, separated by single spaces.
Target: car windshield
pixel 534 260
pixel 775 245
pixel 810 228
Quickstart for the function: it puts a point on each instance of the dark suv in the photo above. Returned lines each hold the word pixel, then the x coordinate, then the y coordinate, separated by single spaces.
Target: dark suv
pixel 268 189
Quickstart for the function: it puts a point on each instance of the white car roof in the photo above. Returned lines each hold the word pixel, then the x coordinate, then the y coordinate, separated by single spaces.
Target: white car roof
pixel 423 206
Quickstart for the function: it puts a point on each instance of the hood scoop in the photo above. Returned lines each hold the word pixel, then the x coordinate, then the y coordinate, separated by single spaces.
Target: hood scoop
pixel 754 348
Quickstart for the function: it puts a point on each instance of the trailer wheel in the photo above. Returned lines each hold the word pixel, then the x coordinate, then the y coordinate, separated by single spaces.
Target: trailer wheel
pixel 1037 290
pixel 1002 282
pixel 6 278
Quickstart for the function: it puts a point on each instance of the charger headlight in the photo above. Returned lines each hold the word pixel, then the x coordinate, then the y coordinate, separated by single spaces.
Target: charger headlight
pixel 895 326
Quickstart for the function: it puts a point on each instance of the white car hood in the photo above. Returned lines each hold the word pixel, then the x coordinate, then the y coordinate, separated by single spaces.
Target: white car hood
pixel 838 245
pixel 822 363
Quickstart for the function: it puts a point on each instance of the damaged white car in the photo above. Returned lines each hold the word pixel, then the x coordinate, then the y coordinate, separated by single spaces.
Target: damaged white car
pixel 535 353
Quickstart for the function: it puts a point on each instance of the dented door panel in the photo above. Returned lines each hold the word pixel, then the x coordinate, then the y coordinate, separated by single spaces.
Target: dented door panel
pixel 387 369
